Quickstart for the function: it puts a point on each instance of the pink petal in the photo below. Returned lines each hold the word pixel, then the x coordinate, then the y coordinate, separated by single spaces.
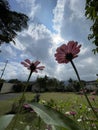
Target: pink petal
pixel 75 51
pixel 62 55
pixel 59 50
pixel 76 47
pixel 79 46
pixel 35 71
pixel 63 47
pixel 63 61
pixel 70 45
pixel 26 106
pixel 28 61
pixel 59 59
pixel 75 56
pixel 40 67
pixel 37 63
pixel 75 44
pixel 23 63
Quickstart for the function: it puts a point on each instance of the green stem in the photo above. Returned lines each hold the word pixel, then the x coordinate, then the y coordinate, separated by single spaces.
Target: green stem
pixel 83 89
pixel 23 94
pixel 21 101
pixel 39 123
pixel 26 85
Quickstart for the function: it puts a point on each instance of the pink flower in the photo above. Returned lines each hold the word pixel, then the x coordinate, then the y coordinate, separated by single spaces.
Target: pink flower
pixel 96 109
pixel 27 107
pixel 93 93
pixel 33 66
pixel 82 91
pixel 92 98
pixel 66 53
pixel 72 113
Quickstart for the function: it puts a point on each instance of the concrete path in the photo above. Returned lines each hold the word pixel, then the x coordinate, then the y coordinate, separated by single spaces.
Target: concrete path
pixel 8 96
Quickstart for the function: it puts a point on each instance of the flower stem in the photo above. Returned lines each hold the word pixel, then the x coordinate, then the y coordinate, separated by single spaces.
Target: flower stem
pixel 83 89
pixel 39 123
pixel 26 85
pixel 21 102
pixel 23 94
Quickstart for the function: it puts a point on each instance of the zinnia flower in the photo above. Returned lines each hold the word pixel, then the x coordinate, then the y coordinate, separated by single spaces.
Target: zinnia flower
pixel 27 107
pixel 66 53
pixel 93 93
pixel 33 66
pixel 72 113
pixel 92 98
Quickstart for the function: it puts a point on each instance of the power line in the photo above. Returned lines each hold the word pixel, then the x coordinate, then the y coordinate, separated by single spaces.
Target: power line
pixel 4 69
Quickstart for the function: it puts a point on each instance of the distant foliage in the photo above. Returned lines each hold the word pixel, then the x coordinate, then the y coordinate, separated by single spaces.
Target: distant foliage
pixel 91 12
pixel 50 84
pixel 14 81
pixel 19 87
pixel 10 22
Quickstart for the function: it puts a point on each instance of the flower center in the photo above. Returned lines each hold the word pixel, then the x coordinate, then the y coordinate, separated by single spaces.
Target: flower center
pixel 69 56
pixel 32 67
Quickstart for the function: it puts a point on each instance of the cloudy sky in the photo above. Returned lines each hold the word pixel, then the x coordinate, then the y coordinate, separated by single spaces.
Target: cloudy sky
pixel 52 23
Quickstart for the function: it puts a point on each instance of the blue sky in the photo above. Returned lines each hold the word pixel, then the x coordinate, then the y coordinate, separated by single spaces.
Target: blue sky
pixel 52 23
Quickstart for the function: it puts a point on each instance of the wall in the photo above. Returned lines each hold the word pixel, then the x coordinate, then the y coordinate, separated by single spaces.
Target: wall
pixel 7 87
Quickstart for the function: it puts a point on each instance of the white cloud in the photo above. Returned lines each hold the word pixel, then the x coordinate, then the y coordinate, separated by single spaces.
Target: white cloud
pixel 7 52
pixel 29 7
pixel 83 50
pixel 78 8
pixel 69 20
pixel 36 41
pixel 57 39
pixel 58 15
pixel 39 43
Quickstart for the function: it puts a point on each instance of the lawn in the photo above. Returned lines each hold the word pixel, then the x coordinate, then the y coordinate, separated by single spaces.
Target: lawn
pixel 67 99
pixel 63 102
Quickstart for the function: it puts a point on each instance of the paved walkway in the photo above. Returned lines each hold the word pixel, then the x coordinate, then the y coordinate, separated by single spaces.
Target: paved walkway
pixel 8 96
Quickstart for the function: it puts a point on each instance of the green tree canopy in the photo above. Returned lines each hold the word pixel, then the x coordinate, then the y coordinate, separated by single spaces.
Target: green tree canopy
pixel 91 12
pixel 10 22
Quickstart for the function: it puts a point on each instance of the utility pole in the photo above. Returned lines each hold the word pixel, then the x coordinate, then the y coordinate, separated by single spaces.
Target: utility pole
pixel 4 69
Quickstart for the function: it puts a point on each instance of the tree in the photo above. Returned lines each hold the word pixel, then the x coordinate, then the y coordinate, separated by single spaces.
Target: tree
pixel 42 83
pixel 61 86
pixel 91 12
pixel 10 22
pixel 14 81
pixel 70 80
pixel 74 85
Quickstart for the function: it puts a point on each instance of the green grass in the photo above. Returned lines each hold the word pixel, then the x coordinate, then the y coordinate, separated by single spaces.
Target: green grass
pixel 5 106
pixel 63 102
pixel 68 99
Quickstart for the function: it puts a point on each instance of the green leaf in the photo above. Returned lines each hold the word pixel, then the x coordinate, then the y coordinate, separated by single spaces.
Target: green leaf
pixel 58 128
pixel 54 118
pixel 5 120
pixel 27 127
